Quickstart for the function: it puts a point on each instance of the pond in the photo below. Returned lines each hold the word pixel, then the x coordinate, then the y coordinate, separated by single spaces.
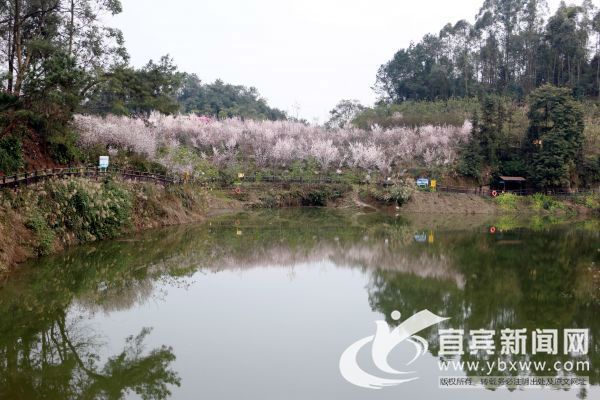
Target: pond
pixel 268 305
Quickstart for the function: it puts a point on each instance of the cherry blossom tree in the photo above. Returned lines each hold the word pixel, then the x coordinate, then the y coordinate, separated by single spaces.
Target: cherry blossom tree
pixel 277 143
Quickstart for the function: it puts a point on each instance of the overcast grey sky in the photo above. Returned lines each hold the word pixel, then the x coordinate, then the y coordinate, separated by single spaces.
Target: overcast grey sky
pixel 309 53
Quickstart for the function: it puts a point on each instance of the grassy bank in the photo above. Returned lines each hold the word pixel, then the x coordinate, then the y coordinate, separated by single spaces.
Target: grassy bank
pixel 541 203
pixel 44 218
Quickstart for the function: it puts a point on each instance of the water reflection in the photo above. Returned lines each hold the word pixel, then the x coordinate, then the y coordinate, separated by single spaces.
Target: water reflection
pixel 525 275
pixel 59 360
pixel 518 279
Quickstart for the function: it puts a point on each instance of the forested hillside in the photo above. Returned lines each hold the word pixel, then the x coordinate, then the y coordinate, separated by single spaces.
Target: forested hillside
pixel 512 47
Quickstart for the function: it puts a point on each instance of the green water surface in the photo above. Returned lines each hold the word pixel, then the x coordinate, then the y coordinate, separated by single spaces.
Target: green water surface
pixel 261 305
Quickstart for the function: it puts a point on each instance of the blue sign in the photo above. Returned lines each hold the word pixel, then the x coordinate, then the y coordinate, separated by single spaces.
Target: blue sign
pixel 421 237
pixel 422 182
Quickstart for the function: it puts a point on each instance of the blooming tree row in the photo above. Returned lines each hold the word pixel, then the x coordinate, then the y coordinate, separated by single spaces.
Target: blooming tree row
pixel 278 143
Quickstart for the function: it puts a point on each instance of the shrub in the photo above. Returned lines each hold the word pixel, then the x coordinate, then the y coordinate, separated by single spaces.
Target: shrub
pixel 507 201
pixel 139 162
pixel 63 146
pixel 589 170
pixel 190 198
pixel 91 210
pixel 591 201
pixel 43 234
pixel 321 194
pixel 541 201
pixel 399 193
pixel 11 155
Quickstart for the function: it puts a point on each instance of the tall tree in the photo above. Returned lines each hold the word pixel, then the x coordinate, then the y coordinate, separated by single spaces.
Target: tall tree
pixel 502 21
pixel 555 137
pixel 33 31
pixel 531 38
pixel 483 147
pixel 567 37
pixel 596 60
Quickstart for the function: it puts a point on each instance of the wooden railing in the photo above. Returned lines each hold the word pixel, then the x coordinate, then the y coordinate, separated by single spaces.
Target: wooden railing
pixel 27 178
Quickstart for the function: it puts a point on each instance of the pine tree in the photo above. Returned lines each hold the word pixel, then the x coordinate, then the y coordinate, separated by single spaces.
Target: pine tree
pixel 471 161
pixel 555 137
pixel 483 146
pixel 492 123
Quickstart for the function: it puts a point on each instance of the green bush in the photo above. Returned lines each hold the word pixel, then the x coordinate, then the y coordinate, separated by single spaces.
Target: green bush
pixel 507 201
pixel 89 155
pixel 319 196
pixel 139 162
pixel 399 193
pixel 62 145
pixel 589 171
pixel 43 234
pixel 541 201
pixel 11 155
pixel 591 201
pixel 89 209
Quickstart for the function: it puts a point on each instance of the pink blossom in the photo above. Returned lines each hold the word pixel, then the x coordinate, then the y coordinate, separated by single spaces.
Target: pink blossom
pixel 277 143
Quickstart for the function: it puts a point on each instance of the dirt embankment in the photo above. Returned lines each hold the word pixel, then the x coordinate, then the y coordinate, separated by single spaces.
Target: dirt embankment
pixel 34 223
pixel 449 203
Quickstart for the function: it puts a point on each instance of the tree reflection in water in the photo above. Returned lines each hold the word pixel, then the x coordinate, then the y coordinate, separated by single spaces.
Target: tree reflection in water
pixel 46 353
pixel 521 278
pixel 61 362
pixel 546 278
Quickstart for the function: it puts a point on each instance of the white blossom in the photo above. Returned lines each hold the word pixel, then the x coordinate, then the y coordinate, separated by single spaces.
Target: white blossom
pixel 277 143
